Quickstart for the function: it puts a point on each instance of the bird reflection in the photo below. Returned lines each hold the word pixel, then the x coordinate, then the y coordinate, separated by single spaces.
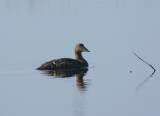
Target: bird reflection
pixel 81 84
pixel 79 73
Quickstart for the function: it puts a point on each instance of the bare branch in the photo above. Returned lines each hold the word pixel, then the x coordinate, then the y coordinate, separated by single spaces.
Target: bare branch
pixel 154 70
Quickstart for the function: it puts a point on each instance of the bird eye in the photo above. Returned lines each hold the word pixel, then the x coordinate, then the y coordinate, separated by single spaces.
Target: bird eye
pixel 81 45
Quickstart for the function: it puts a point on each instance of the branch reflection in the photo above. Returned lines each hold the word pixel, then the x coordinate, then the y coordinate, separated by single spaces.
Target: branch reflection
pixel 80 73
pixel 144 81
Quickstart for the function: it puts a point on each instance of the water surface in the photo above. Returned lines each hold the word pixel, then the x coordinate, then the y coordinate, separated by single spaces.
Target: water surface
pixel 117 82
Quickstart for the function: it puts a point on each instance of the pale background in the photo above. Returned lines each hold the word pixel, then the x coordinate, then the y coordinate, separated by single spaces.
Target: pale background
pixel 35 31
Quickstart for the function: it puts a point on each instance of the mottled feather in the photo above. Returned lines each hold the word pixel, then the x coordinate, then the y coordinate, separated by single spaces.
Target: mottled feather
pixel 63 63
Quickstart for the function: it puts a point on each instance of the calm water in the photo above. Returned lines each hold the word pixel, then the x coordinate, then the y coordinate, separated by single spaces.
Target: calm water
pixel 117 82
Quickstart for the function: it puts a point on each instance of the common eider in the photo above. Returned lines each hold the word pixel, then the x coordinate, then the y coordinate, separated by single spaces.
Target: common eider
pixel 68 63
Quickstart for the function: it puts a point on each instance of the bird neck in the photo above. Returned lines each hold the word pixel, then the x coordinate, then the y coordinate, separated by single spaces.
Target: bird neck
pixel 78 56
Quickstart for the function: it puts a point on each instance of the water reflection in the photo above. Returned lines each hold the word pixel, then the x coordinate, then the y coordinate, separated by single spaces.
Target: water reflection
pixel 80 82
pixel 145 81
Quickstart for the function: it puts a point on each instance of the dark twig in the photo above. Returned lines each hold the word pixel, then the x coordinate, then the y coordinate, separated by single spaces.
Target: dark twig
pixel 154 70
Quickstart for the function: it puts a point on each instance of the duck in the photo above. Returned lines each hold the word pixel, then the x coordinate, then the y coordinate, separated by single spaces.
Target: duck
pixel 68 63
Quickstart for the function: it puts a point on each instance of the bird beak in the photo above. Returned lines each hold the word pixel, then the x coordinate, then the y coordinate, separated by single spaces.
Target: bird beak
pixel 86 50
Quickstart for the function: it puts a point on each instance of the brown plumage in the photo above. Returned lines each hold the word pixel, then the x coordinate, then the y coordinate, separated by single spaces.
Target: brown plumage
pixel 68 63
pixel 64 73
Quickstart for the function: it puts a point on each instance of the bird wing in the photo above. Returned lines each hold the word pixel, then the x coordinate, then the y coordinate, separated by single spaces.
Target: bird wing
pixel 63 63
